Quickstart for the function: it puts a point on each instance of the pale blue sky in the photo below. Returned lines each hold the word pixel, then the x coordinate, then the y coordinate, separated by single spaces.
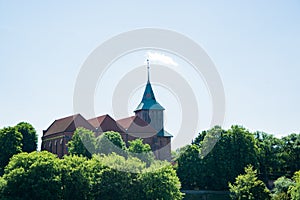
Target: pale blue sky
pixel 254 45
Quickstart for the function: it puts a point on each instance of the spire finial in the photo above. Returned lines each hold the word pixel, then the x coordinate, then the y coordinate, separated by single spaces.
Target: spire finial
pixel 148 70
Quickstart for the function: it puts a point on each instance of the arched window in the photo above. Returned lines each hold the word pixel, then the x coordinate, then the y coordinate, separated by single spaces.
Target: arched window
pixel 55 144
pixel 50 147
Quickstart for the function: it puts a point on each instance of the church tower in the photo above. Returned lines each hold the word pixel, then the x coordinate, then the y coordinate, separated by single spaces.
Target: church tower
pixel 149 109
pixel 153 113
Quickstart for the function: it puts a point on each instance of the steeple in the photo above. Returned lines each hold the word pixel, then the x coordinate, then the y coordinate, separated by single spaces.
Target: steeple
pixel 150 111
pixel 148 101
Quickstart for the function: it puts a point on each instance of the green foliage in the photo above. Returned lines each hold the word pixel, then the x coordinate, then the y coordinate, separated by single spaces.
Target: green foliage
pixel 140 150
pixel 216 157
pixel 160 183
pixel 32 176
pixel 41 175
pixel 211 137
pixel 10 144
pixel 120 163
pixel 82 143
pixel 129 179
pixel 269 156
pixel 2 186
pixel 248 187
pixel 291 153
pixel 109 142
pixel 75 178
pixel 280 191
pixel 137 146
pixel 199 138
pixel 114 184
pixel 30 139
pixel 190 167
pixel 294 191
pixel 244 150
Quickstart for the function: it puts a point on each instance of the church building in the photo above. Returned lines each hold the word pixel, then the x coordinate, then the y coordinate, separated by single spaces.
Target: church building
pixel 147 123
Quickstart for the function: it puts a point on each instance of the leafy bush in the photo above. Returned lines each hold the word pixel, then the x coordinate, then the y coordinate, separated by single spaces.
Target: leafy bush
pixel 248 187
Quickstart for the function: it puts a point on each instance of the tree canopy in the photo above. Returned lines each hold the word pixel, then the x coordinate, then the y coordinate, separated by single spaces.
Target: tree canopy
pixel 75 175
pixel 281 188
pixel 41 175
pixel 13 140
pixel 214 158
pixel 82 143
pixel 140 150
pixel 109 142
pixel 10 144
pixel 249 187
pixel 202 167
pixel 32 176
pixel 29 140
pixel 294 191
pixel 217 156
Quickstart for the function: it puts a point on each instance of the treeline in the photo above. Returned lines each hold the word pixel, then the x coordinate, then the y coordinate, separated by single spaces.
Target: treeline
pixel 103 167
pixel 112 172
pixel 41 175
pixel 217 156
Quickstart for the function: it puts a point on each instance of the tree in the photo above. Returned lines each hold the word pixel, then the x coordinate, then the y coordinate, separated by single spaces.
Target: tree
pixel 294 191
pixel 29 140
pixel 75 178
pixel 248 187
pixel 280 191
pixel 216 158
pixel 109 142
pixel 115 177
pixel 140 150
pixel 160 183
pixel 10 144
pixel 291 153
pixel 82 143
pixel 114 184
pixel 32 176
pixel 269 156
pixel 243 148
pixel 189 167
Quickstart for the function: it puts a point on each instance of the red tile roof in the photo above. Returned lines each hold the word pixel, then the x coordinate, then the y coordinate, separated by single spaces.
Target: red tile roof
pixel 137 127
pixel 106 123
pixel 97 120
pixel 67 124
pixel 126 122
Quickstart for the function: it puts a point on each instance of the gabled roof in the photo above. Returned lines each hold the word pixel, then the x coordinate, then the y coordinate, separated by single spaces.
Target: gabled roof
pixel 149 102
pixel 106 123
pixel 67 124
pixel 97 121
pixel 126 122
pixel 135 126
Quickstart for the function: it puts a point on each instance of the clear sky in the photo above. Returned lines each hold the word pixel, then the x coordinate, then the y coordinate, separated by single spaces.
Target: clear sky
pixel 254 45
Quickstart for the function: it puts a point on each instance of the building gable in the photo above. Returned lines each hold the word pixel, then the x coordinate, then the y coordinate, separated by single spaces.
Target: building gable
pixel 106 123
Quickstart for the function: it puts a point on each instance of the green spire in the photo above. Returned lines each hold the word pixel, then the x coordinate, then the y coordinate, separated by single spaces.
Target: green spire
pixel 149 102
